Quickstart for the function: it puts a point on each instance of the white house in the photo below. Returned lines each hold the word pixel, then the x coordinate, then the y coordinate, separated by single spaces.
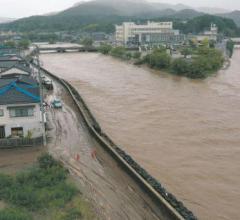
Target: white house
pixel 20 114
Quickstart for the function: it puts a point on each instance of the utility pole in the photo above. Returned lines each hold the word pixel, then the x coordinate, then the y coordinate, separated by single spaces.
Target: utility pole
pixel 41 96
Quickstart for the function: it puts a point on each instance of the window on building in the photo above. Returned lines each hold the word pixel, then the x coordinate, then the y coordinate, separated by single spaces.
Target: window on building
pixel 17 132
pixel 1 113
pixel 21 112
pixel 2 132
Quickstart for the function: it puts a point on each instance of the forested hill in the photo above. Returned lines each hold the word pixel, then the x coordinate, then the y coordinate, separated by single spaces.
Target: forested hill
pixel 198 24
pixel 101 15
pixel 235 15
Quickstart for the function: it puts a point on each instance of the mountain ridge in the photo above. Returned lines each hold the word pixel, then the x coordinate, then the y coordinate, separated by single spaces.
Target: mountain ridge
pixel 6 20
pixel 234 15
pixel 105 13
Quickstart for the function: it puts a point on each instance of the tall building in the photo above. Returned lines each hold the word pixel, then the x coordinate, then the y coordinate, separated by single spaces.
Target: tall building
pixel 130 33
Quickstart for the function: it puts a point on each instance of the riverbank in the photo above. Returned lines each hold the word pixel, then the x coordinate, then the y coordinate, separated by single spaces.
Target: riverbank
pixel 203 61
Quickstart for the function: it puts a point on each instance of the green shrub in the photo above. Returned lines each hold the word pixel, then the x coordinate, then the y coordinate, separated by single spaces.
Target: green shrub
pixel 128 56
pixel 105 48
pixel 197 72
pixel 206 62
pixel 39 187
pixel 118 52
pixel 137 55
pixel 87 42
pixel 72 214
pixel 58 195
pixel 159 60
pixel 180 67
pixel 14 214
pixel 5 182
pixel 23 196
pixel 139 62
pixel 46 161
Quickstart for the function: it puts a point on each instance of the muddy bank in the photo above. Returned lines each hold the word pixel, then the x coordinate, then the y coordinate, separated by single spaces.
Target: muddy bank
pixel 18 159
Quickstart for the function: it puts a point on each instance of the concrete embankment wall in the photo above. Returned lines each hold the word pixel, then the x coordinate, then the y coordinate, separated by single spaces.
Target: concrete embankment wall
pixel 169 206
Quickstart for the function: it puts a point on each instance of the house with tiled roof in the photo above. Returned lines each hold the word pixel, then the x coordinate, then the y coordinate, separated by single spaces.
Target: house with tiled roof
pixel 7 62
pixel 16 69
pixel 20 114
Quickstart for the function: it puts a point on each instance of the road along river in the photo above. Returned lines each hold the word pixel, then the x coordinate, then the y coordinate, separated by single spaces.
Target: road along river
pixel 184 132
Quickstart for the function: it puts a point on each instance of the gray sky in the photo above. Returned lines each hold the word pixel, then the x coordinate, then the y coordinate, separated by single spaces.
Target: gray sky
pixel 23 8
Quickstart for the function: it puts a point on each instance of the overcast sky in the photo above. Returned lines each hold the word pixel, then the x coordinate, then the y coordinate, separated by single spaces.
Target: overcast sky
pixel 23 8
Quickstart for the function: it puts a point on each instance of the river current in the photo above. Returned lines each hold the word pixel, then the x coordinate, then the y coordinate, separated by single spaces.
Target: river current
pixel 186 133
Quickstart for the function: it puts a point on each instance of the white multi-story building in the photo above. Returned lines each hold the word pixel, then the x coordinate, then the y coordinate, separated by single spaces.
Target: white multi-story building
pixel 150 33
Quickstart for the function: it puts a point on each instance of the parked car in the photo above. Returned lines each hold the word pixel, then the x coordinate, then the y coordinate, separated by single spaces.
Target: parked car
pixel 56 103
pixel 43 78
pixel 48 84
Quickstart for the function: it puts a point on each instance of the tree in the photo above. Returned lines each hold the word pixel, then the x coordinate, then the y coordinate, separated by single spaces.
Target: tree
pixel 91 28
pixel 205 42
pixel 180 67
pixel 197 69
pixel 87 42
pixel 118 52
pixel 24 44
pixel 212 44
pixel 160 60
pixel 186 51
pixel 193 43
pixel 105 48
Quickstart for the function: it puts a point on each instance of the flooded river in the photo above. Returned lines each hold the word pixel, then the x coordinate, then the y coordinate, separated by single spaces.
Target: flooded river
pixel 185 132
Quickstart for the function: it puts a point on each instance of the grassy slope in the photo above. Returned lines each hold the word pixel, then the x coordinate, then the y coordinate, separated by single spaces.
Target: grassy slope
pixel 43 191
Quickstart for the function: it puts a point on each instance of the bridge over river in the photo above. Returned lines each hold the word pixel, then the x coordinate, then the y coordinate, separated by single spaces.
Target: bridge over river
pixel 236 40
pixel 65 47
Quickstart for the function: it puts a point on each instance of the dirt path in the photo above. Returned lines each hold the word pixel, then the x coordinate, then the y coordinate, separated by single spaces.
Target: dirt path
pixel 14 160
pixel 112 192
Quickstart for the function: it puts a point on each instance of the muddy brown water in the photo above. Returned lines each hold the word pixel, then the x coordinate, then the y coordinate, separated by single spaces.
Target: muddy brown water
pixel 184 132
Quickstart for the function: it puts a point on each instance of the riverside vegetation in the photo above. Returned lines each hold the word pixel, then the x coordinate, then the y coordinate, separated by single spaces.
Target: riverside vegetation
pixel 43 192
pixel 204 61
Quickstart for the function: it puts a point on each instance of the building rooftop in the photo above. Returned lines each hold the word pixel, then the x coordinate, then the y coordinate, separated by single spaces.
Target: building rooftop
pixel 19 90
pixel 6 64
pixel 16 69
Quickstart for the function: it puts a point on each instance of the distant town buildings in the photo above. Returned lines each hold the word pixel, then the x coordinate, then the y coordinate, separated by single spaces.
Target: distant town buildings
pixel 211 34
pixel 152 33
